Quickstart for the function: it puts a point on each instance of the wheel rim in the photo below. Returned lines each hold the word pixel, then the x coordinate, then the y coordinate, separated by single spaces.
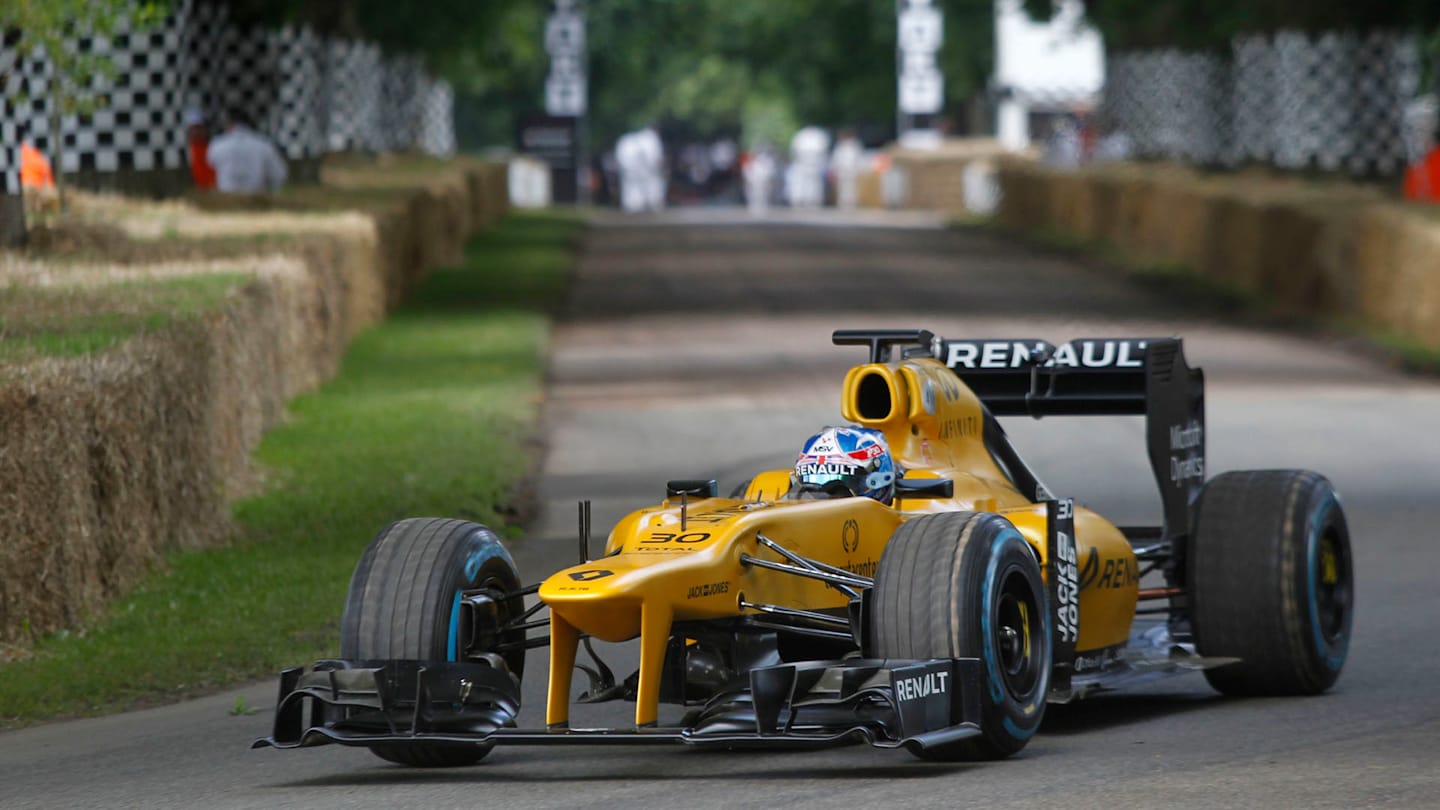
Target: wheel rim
pixel 1017 634
pixel 1332 588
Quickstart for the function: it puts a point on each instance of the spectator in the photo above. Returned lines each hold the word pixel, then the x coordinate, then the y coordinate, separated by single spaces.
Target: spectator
pixel 34 168
pixel 805 176
pixel 245 161
pixel 1422 179
pixel 845 163
pixel 197 137
pixel 758 169
pixel 641 157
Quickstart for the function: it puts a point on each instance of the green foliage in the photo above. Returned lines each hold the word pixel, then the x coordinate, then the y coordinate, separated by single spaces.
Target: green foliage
pixel 1204 24
pixel 717 65
pixel 429 415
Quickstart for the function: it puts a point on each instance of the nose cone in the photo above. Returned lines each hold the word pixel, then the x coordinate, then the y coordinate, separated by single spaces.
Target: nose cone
pixel 601 598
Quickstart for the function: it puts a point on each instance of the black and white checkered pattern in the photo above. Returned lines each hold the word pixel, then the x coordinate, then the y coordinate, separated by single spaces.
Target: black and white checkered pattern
pixel 437 120
pixel 205 31
pixel 1335 101
pixel 138 124
pixel 11 85
pixel 401 86
pixel 297 116
pixel 310 94
pixel 353 85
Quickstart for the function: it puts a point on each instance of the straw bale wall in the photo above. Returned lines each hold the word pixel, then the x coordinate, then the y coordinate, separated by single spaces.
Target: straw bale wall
pixel 108 461
pixel 935 178
pixel 1308 248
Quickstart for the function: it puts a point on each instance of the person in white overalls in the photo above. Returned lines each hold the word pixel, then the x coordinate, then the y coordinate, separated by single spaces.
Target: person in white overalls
pixel 631 163
pixel 805 177
pixel 652 156
pixel 759 172
pixel 845 163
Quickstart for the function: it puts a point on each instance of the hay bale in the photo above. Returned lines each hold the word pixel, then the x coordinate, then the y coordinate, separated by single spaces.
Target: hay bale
pixel 110 460
pixel 1309 248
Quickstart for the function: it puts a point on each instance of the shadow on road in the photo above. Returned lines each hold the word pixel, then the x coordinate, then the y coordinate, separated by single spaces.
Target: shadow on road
pixel 796 269
pixel 1108 711
pixel 682 765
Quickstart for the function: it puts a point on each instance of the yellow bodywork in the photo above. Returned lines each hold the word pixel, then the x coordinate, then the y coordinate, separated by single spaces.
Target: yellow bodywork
pixel 664 564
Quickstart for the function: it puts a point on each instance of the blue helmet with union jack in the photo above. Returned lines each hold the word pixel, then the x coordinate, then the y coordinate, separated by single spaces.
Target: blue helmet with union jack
pixel 847 459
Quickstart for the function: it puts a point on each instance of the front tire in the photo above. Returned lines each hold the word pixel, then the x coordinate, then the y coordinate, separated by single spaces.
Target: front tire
pixel 1271 582
pixel 967 585
pixel 404 603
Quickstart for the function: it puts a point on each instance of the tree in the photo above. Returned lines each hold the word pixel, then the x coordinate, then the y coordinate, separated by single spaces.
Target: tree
pixel 1203 24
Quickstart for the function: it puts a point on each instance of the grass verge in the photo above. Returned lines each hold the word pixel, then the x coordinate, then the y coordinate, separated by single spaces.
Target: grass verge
pixel 432 413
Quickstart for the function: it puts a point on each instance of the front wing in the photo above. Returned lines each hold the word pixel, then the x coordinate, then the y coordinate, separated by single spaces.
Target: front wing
pixel 886 702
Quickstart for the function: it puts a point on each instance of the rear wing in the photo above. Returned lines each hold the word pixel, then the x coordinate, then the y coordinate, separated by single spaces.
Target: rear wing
pixel 1087 377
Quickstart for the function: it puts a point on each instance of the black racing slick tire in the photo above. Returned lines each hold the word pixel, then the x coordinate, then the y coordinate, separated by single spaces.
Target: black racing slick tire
pixel 404 603
pixel 1271 582
pixel 967 585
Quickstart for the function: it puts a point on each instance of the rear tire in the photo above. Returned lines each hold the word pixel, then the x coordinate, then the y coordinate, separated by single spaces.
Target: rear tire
pixel 404 603
pixel 967 585
pixel 1271 582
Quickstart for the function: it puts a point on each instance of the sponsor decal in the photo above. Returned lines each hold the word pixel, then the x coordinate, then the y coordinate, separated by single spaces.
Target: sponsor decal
pixel 961 426
pixel 825 469
pixel 591 574
pixel 720 515
pixel 677 537
pixel 850 537
pixel 1111 572
pixel 922 686
pixel 1067 583
pixel 708 589
pixel 927 396
pixel 1013 354
pixel 1101 659
pixel 1186 460
pixel 864 568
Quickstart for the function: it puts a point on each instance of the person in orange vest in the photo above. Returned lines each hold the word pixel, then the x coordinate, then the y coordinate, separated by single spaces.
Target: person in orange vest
pixel 34 168
pixel 1422 179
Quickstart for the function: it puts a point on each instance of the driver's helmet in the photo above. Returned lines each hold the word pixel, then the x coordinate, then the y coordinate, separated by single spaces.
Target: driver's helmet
pixel 847 461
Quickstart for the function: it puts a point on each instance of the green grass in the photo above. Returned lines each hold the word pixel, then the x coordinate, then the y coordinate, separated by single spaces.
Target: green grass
pixel 67 321
pixel 431 414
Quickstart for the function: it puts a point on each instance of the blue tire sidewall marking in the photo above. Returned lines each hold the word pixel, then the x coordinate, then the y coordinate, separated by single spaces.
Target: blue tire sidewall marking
pixel 1312 554
pixel 452 652
pixel 993 677
pixel 487 549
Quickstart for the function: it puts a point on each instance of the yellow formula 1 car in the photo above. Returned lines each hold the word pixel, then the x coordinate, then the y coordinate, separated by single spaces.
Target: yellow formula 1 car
pixel 917 587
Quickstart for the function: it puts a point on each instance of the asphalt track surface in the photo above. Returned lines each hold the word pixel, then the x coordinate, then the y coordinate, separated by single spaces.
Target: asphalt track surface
pixel 691 349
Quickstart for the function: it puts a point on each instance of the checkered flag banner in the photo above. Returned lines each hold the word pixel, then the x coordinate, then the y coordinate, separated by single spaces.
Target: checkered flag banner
pixel 353 86
pixel 437 120
pixel 310 94
pixel 11 86
pixel 297 116
pixel 138 123
pixel 1334 102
